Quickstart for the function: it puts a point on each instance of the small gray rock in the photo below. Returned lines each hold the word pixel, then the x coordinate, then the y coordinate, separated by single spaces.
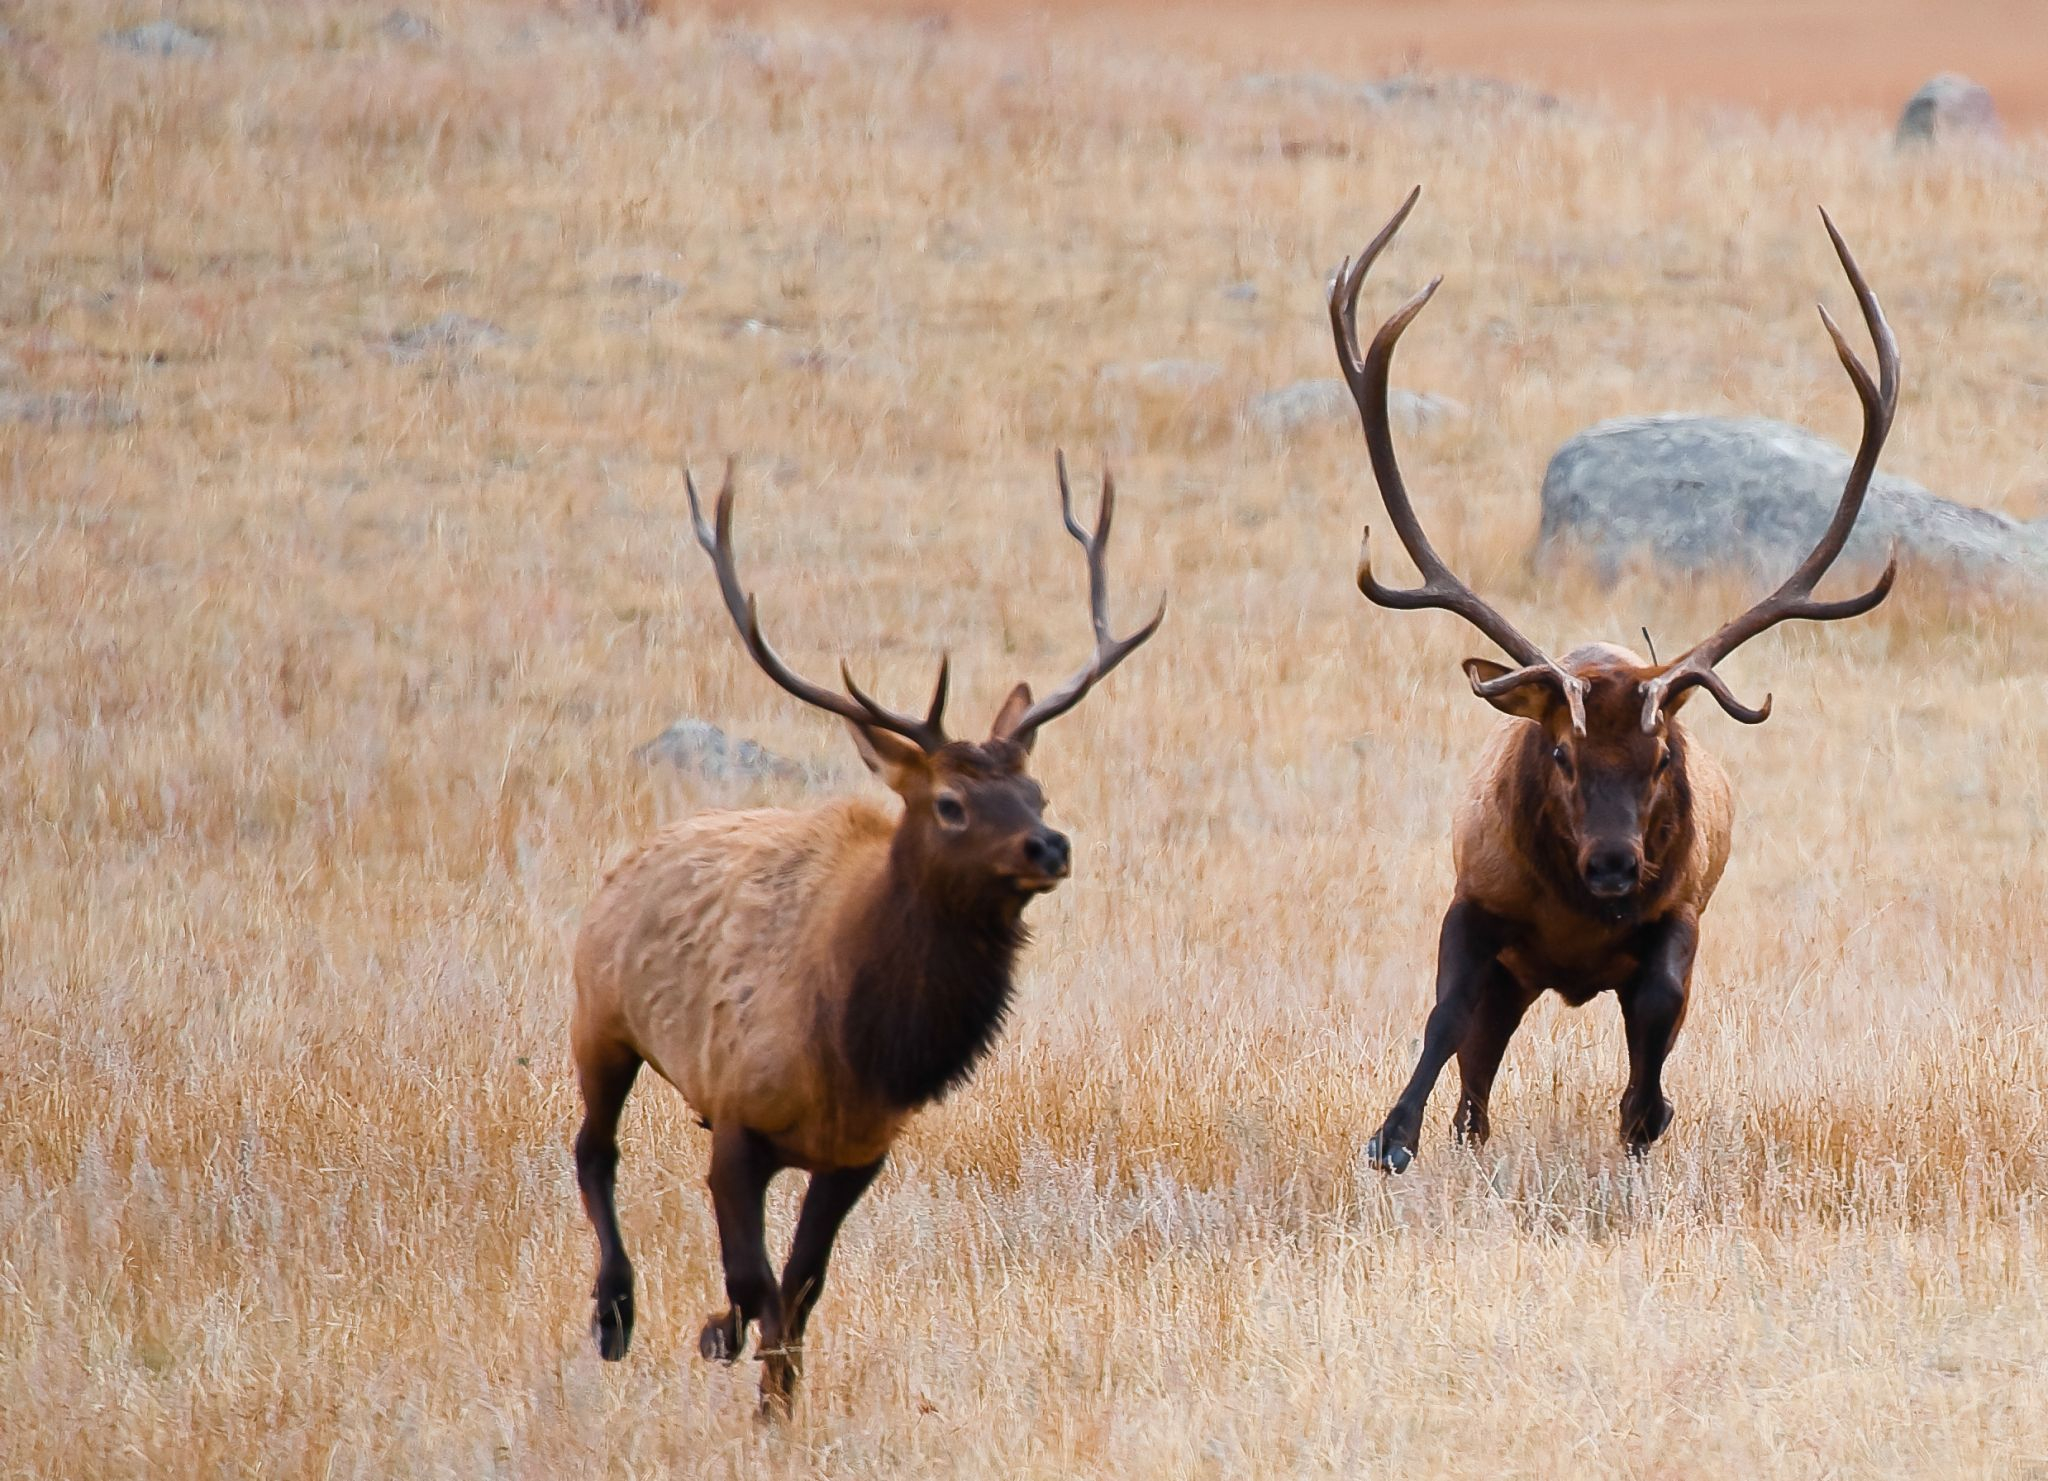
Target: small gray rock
pixel 1293 409
pixel 654 287
pixel 56 409
pixel 1166 375
pixel 1405 89
pixel 1947 109
pixel 1452 91
pixel 1301 84
pixel 160 39
pixel 1695 492
pixel 1282 413
pixel 447 334
pixel 1243 291
pixel 699 746
pixel 405 26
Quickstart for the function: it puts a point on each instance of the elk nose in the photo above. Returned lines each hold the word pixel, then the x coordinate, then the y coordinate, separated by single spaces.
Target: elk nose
pixel 1612 871
pixel 1047 851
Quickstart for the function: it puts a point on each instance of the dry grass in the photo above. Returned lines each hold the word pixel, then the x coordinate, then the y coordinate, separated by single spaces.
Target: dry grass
pixel 323 675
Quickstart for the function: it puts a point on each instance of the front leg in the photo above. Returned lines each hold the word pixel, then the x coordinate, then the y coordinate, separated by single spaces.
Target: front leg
pixel 1652 1009
pixel 1466 948
pixel 742 1164
pixel 827 1201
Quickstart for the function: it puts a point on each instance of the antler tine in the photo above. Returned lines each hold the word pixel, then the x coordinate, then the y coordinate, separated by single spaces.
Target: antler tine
pixel 1109 650
pixel 1097 578
pixel 1795 599
pixel 1368 376
pixel 716 539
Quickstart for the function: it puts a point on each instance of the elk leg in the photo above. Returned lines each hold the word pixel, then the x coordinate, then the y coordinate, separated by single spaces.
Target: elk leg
pixel 1502 1002
pixel 1465 954
pixel 1652 1010
pixel 605 1074
pixel 827 1201
pixel 742 1163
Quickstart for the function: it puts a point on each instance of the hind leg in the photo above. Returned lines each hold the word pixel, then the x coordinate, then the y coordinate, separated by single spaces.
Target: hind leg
pixel 605 1072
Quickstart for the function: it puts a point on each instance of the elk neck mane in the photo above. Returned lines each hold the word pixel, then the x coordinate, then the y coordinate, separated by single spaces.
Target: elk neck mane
pixel 931 986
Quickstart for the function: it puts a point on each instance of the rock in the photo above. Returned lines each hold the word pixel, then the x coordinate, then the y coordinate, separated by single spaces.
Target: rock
pixel 160 39
pixel 1166 375
pixel 1452 92
pixel 1947 109
pixel 403 25
pixel 655 287
pixel 701 747
pixel 1243 291
pixel 847 362
pixel 1695 492
pixel 448 334
pixel 1291 409
pixel 56 409
pixel 1404 89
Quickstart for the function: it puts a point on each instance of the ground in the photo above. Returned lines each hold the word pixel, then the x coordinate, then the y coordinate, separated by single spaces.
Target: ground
pixel 1800 58
pixel 348 380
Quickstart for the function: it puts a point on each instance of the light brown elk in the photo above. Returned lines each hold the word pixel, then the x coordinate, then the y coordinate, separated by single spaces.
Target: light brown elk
pixel 1593 835
pixel 808 980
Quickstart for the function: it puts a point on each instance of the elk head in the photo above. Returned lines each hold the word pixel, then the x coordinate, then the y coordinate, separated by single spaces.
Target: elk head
pixel 973 820
pixel 1611 760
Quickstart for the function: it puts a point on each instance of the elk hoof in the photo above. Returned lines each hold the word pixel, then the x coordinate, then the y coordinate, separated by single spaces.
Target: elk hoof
pixel 722 1338
pixel 1639 1128
pixel 1388 1155
pixel 611 1326
pixel 778 1384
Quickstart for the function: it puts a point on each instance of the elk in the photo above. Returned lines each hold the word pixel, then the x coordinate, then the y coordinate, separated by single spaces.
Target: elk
pixel 1591 838
pixel 809 979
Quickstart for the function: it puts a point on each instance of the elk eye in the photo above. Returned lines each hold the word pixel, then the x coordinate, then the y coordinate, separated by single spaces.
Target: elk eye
pixel 951 810
pixel 1664 761
pixel 1563 758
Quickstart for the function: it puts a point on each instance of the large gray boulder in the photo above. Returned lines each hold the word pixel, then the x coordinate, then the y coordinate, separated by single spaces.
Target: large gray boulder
pixel 1694 492
pixel 1946 109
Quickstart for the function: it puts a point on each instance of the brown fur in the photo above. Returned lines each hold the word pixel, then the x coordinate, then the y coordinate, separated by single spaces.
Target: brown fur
pixel 1595 832
pixel 807 980
pixel 1548 804
pixel 1511 842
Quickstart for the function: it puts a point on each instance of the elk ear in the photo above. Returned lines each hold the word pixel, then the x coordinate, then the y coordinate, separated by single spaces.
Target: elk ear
pixel 1012 711
pixel 890 757
pixel 1531 701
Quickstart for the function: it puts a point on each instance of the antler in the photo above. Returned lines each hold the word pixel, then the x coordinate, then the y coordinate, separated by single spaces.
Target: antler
pixel 1109 651
pixel 1795 597
pixel 927 733
pixel 1368 376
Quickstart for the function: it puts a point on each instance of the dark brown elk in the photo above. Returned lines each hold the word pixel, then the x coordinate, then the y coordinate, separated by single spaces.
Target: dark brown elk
pixel 1595 830
pixel 809 979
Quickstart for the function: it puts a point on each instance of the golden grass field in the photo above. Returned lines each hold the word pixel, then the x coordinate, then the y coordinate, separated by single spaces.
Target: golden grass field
pixel 324 674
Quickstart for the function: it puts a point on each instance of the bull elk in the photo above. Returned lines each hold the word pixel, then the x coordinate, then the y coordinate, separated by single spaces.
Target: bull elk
pixel 809 979
pixel 1595 830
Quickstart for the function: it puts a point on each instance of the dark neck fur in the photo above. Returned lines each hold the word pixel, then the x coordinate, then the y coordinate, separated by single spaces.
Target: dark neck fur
pixel 932 987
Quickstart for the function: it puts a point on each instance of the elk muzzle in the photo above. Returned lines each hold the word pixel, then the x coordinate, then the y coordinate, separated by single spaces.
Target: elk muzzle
pixel 1611 870
pixel 1048 858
